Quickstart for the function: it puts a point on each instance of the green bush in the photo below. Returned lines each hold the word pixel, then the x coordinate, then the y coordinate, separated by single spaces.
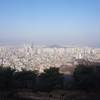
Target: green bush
pixel 85 77
pixel 25 79
pixel 6 77
pixel 50 79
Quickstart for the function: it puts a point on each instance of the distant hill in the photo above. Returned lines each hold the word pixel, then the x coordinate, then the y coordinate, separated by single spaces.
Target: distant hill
pixel 55 46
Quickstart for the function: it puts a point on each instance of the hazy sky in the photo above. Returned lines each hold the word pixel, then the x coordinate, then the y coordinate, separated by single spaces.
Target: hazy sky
pixel 50 21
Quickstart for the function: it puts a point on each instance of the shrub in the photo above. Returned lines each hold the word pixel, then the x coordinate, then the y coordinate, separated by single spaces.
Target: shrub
pixel 85 77
pixel 25 79
pixel 50 79
pixel 6 77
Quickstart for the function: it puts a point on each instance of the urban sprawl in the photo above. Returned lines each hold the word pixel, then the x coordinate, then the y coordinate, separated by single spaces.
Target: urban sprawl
pixel 38 58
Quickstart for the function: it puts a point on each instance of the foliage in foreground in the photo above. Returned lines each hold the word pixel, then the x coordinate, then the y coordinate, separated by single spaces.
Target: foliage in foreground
pixel 50 79
pixel 85 77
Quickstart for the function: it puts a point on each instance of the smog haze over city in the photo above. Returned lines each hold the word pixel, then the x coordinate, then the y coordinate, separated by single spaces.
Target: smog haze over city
pixel 49 22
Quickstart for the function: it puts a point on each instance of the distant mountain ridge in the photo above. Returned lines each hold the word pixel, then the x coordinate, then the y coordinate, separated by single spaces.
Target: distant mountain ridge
pixel 56 46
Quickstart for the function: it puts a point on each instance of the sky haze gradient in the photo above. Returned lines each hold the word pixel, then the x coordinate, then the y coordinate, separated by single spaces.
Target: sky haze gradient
pixel 50 21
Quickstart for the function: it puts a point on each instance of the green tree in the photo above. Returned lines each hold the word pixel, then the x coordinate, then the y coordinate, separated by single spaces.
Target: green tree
pixel 85 76
pixel 50 79
pixel 25 79
pixel 6 77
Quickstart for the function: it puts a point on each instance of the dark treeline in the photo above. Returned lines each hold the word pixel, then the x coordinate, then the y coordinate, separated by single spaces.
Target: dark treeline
pixel 84 77
pixel 46 81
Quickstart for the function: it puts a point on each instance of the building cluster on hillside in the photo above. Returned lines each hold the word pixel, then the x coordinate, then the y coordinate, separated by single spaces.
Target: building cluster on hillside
pixel 39 58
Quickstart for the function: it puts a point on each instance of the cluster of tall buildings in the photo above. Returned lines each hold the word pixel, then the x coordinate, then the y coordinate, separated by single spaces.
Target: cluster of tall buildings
pixel 38 58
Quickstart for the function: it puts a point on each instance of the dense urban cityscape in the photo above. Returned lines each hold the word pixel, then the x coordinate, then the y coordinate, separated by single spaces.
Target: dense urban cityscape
pixel 49 49
pixel 40 57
